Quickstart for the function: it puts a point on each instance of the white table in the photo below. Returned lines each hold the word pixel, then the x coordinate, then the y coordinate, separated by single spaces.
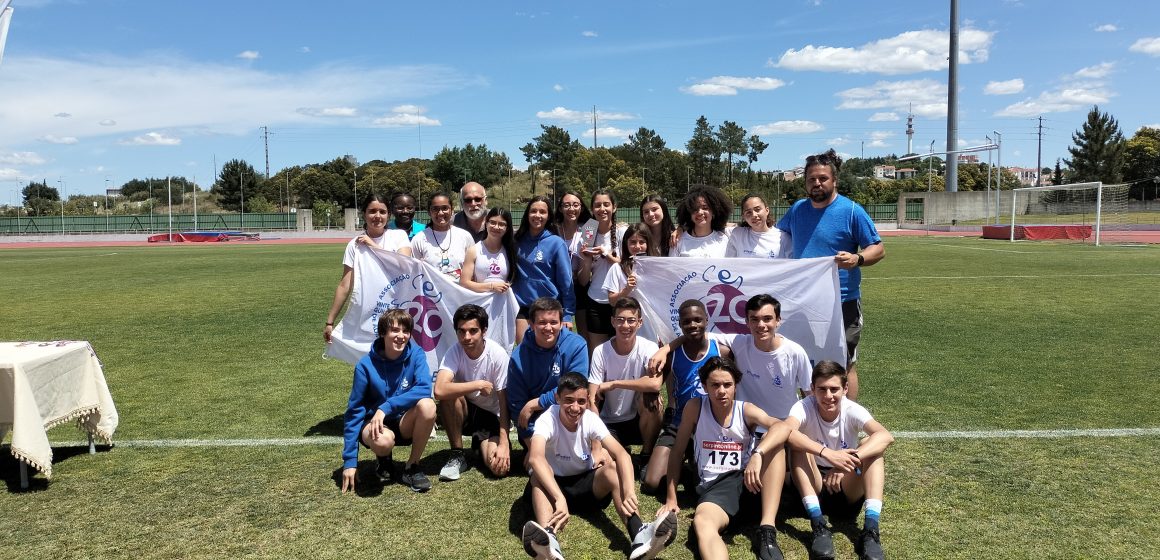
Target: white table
pixel 46 384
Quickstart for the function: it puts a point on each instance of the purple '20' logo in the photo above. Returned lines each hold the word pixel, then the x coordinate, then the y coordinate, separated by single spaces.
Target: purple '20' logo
pixel 725 305
pixel 428 323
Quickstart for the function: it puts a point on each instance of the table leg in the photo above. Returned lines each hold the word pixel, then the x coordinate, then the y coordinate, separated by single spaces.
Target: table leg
pixel 23 474
pixel 92 446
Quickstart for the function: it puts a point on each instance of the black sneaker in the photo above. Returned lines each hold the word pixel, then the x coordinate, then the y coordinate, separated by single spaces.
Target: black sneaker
pixel 414 477
pixel 870 545
pixel 767 548
pixel 822 547
pixel 386 470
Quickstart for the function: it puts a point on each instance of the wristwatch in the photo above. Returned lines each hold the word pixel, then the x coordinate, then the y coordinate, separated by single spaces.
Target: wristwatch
pixel 861 260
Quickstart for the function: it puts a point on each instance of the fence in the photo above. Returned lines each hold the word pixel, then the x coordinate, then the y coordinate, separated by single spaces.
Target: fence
pixel 146 223
pixel 878 212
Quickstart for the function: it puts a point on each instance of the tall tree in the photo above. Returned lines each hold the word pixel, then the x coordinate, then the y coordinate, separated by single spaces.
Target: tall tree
pixel 756 147
pixel 647 147
pixel 1142 161
pixel 554 149
pixel 1057 175
pixel 731 139
pixel 1098 153
pixel 235 180
pixel 40 199
pixel 453 167
pixel 704 150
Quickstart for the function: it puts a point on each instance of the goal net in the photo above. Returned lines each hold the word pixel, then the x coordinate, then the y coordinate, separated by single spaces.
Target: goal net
pixel 1068 212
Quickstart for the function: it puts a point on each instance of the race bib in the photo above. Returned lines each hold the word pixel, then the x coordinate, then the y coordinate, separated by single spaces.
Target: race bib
pixel 721 456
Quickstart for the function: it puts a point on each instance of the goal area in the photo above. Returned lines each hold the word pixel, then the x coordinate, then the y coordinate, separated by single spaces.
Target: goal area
pixel 1077 212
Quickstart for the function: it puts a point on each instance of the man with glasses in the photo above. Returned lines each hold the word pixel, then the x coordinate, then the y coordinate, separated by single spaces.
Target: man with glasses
pixel 471 218
pixel 620 389
pixel 827 224
pixel 403 210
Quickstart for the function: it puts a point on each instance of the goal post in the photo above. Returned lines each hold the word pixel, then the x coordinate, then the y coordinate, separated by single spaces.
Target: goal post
pixel 1077 211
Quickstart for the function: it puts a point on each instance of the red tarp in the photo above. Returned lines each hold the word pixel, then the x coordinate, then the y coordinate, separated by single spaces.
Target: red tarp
pixel 1037 232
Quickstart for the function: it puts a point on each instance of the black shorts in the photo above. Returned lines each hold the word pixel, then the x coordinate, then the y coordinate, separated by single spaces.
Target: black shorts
pixel 627 432
pixel 599 316
pixel 852 321
pixel 578 492
pixel 582 299
pixel 837 504
pixel 480 421
pixel 392 424
pixel 728 492
pixel 522 313
pixel 668 437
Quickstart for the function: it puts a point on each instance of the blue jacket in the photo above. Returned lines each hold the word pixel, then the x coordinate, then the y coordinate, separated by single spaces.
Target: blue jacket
pixel 544 269
pixel 534 372
pixel 393 386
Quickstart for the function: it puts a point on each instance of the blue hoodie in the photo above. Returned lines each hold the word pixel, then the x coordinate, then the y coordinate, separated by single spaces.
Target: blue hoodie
pixel 544 269
pixel 534 372
pixel 392 386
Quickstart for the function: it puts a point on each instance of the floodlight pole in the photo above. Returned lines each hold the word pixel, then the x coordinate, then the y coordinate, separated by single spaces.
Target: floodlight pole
pixel 987 198
pixel 106 205
pixel 999 179
pixel 929 167
pixel 169 189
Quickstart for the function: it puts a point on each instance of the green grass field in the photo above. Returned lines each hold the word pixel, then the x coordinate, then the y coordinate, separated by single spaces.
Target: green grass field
pixel 224 342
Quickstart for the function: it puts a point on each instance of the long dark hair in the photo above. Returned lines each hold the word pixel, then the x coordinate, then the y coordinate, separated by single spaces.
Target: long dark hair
pixel 611 219
pixel 558 217
pixel 508 241
pixel 431 200
pixel 666 233
pixel 642 230
pixel 715 199
pixel 523 231
pixel 373 197
pixel 768 217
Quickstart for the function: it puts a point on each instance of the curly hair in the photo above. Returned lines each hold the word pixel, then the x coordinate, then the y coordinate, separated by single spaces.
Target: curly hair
pixel 829 157
pixel 719 206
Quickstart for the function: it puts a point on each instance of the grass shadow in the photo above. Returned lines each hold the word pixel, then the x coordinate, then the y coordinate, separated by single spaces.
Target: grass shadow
pixel 367 484
pixel 10 467
pixel 329 427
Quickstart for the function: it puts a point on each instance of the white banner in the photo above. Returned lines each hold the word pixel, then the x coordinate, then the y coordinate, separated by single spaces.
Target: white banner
pixel 808 289
pixel 384 280
pixel 5 19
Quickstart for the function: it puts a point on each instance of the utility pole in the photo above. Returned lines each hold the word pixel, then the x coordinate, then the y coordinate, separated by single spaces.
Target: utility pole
pixel 593 127
pixel 952 175
pixel 266 140
pixel 1039 157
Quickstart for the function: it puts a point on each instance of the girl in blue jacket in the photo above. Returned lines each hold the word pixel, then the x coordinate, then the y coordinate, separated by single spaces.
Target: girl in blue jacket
pixel 390 404
pixel 544 265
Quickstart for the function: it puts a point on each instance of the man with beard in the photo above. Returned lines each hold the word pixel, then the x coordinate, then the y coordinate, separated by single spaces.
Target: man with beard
pixel 474 203
pixel 828 224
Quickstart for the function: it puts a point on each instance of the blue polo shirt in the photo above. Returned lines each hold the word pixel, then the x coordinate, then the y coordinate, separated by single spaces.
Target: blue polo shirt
pixel 416 227
pixel 843 225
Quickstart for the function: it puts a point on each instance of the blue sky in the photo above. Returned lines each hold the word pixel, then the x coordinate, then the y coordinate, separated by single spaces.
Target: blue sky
pixel 119 89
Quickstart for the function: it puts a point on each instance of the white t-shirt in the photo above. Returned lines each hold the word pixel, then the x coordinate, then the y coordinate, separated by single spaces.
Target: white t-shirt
pixel 607 365
pixel 601 264
pixel 490 267
pixel 491 365
pixel 568 452
pixel 744 242
pixel 769 380
pixel 711 246
pixel 615 281
pixel 721 449
pixel 842 433
pixel 444 250
pixel 390 240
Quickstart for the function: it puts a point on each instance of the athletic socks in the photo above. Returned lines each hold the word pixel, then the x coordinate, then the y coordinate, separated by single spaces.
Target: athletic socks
pixel 634 524
pixel 873 512
pixel 814 507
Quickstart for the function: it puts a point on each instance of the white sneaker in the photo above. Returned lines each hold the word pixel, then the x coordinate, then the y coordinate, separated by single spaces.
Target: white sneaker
pixel 654 537
pixel 454 466
pixel 540 543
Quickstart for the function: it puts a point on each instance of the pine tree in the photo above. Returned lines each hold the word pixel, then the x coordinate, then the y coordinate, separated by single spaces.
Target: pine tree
pixel 1098 153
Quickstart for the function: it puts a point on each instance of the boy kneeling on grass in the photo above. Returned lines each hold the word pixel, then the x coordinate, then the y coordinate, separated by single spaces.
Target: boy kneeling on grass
pixel 390 404
pixel 575 464
pixel 843 475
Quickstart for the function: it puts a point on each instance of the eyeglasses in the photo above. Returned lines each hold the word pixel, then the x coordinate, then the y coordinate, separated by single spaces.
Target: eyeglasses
pixel 630 321
pixel 472 199
pixel 440 208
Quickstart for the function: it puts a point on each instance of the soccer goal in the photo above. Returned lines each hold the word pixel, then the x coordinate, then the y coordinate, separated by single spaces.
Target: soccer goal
pixel 1075 212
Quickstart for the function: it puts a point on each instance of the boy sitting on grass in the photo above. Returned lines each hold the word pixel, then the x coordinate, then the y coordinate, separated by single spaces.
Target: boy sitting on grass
pixel 390 404
pixel 574 465
pixel 845 470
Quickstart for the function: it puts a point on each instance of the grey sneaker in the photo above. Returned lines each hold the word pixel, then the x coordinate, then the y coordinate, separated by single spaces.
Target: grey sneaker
pixel 767 548
pixel 870 545
pixel 455 466
pixel 653 537
pixel 540 543
pixel 414 477
pixel 822 547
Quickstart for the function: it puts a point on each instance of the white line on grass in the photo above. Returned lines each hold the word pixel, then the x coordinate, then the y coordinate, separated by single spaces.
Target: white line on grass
pixel 986 249
pixel 335 440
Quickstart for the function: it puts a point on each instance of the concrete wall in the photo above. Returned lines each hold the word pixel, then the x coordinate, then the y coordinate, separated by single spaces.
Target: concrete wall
pixel 305 219
pixel 350 215
pixel 950 207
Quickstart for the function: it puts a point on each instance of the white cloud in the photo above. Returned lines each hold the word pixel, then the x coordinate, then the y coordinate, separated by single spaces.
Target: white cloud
pixel 406 115
pixel 62 115
pixel 9 174
pixel 249 55
pixel 1065 98
pixel 839 141
pixel 1155 125
pixel 883 117
pixel 588 34
pixel 912 51
pixel 1096 72
pixel 608 132
pixel 21 158
pixel 787 127
pixel 1006 87
pixel 1107 28
pixel 572 116
pixel 303 50
pixel 878 139
pixel 329 111
pixel 730 85
pixel 152 139
pixel 558 87
pixel 51 139
pixel 928 97
pixel 1147 45
pixel 139 95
